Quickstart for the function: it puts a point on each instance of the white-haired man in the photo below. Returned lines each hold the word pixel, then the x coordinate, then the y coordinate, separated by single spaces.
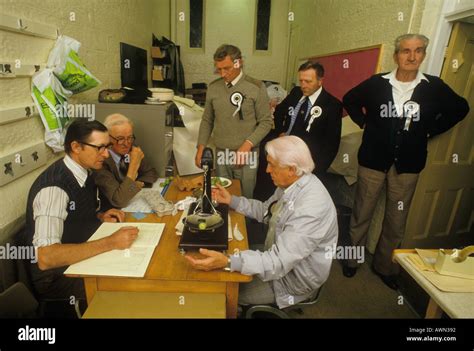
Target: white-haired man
pixel 126 172
pixel 302 225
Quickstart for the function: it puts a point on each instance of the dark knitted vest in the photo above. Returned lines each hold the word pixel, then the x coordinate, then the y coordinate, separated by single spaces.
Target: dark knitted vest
pixel 81 221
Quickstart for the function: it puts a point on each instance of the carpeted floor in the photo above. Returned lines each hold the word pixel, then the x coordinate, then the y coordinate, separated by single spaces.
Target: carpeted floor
pixel 362 296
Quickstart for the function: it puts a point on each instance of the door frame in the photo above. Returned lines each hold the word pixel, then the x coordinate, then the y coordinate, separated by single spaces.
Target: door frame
pixel 452 11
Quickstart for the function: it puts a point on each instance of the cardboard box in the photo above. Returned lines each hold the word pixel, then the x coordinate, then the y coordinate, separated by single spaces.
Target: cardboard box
pixel 156 52
pixel 157 75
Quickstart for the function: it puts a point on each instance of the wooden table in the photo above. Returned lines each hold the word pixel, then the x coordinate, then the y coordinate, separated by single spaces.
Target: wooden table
pixel 456 305
pixel 169 271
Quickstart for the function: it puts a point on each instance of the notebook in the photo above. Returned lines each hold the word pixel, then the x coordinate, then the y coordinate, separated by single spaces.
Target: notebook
pixel 131 262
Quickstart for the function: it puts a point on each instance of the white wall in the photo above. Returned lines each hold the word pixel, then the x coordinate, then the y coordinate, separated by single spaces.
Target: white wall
pixel 99 26
pixel 233 22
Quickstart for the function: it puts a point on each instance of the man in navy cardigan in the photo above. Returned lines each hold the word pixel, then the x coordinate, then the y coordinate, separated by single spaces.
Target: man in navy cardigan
pixel 399 112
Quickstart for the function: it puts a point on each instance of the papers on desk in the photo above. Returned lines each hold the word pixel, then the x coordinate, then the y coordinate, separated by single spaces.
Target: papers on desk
pixel 138 202
pixel 423 262
pixel 131 262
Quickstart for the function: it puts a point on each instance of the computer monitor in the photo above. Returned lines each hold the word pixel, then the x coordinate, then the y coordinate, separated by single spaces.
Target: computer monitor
pixel 133 66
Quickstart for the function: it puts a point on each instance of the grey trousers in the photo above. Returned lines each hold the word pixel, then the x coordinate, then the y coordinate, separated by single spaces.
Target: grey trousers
pixel 257 292
pixel 246 174
pixel 400 190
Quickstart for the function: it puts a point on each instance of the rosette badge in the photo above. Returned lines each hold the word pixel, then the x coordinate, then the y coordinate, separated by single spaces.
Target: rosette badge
pixel 315 112
pixel 236 99
pixel 411 109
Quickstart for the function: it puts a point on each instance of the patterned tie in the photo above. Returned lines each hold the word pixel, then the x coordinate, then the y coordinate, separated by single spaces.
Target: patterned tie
pixel 123 165
pixel 229 85
pixel 296 111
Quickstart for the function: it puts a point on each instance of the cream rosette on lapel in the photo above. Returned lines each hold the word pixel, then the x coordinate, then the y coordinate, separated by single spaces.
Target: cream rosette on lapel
pixel 315 112
pixel 411 109
pixel 236 99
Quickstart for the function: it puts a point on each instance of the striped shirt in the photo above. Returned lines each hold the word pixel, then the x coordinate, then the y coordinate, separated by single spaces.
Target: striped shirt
pixel 50 208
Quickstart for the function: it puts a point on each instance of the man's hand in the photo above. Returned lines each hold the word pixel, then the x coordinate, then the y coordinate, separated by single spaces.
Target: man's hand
pixel 113 215
pixel 136 156
pixel 197 159
pixel 242 151
pixel 221 195
pixel 213 260
pixel 139 184
pixel 123 238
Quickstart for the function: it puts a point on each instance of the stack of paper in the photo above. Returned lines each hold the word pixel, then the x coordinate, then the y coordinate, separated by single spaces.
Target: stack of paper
pixel 131 262
pixel 138 202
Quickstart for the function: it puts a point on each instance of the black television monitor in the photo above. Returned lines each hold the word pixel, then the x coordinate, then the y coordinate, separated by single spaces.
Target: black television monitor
pixel 133 66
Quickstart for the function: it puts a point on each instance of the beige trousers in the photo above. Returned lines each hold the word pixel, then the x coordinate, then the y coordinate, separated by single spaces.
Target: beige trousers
pixel 400 190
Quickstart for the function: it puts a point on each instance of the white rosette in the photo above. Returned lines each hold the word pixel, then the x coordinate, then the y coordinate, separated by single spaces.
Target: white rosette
pixel 411 108
pixel 315 112
pixel 236 100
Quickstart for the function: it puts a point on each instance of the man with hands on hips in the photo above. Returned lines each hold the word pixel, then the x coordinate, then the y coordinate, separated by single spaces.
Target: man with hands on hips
pixel 302 224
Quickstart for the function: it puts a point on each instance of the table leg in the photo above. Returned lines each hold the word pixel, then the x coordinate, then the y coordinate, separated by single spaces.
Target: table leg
pixel 232 298
pixel 91 288
pixel 433 310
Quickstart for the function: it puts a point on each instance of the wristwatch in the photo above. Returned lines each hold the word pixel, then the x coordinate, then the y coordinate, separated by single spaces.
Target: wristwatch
pixel 227 268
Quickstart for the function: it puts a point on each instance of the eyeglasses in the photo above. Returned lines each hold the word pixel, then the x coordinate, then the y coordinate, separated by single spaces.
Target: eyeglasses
pixel 122 140
pixel 100 148
pixel 223 69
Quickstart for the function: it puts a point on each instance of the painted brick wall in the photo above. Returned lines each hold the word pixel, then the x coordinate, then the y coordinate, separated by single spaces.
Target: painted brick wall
pixel 327 26
pixel 99 26
pixel 233 22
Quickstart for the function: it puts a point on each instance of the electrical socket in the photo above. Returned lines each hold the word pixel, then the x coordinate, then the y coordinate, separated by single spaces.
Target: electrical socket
pixel 21 162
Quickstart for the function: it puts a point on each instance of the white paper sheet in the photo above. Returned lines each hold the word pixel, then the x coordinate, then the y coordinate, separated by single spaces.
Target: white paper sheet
pixel 131 262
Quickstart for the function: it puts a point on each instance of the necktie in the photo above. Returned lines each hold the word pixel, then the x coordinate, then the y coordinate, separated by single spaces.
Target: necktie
pixel 123 165
pixel 229 85
pixel 300 108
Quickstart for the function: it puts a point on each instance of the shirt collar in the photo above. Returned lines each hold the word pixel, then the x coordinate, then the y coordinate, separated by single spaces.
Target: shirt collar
pixel 116 157
pixel 236 80
pixel 392 77
pixel 298 183
pixel 79 172
pixel 314 96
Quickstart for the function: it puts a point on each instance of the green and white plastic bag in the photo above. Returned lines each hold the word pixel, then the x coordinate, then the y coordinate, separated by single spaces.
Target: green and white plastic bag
pixel 51 100
pixel 69 68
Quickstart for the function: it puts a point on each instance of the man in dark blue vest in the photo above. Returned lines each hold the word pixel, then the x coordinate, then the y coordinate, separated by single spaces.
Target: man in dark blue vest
pixel 63 211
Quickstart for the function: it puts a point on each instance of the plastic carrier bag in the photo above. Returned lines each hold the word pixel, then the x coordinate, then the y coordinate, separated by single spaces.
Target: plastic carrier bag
pixel 51 100
pixel 69 68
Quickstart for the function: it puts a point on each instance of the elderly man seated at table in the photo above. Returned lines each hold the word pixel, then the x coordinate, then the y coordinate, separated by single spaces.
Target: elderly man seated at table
pixel 302 226
pixel 125 172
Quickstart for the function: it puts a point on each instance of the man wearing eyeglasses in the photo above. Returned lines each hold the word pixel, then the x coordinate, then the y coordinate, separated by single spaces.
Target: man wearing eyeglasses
pixel 63 211
pixel 126 172
pixel 237 114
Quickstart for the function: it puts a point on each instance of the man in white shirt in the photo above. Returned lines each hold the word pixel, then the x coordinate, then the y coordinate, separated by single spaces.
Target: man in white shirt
pixel 399 111
pixel 313 114
pixel 63 212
